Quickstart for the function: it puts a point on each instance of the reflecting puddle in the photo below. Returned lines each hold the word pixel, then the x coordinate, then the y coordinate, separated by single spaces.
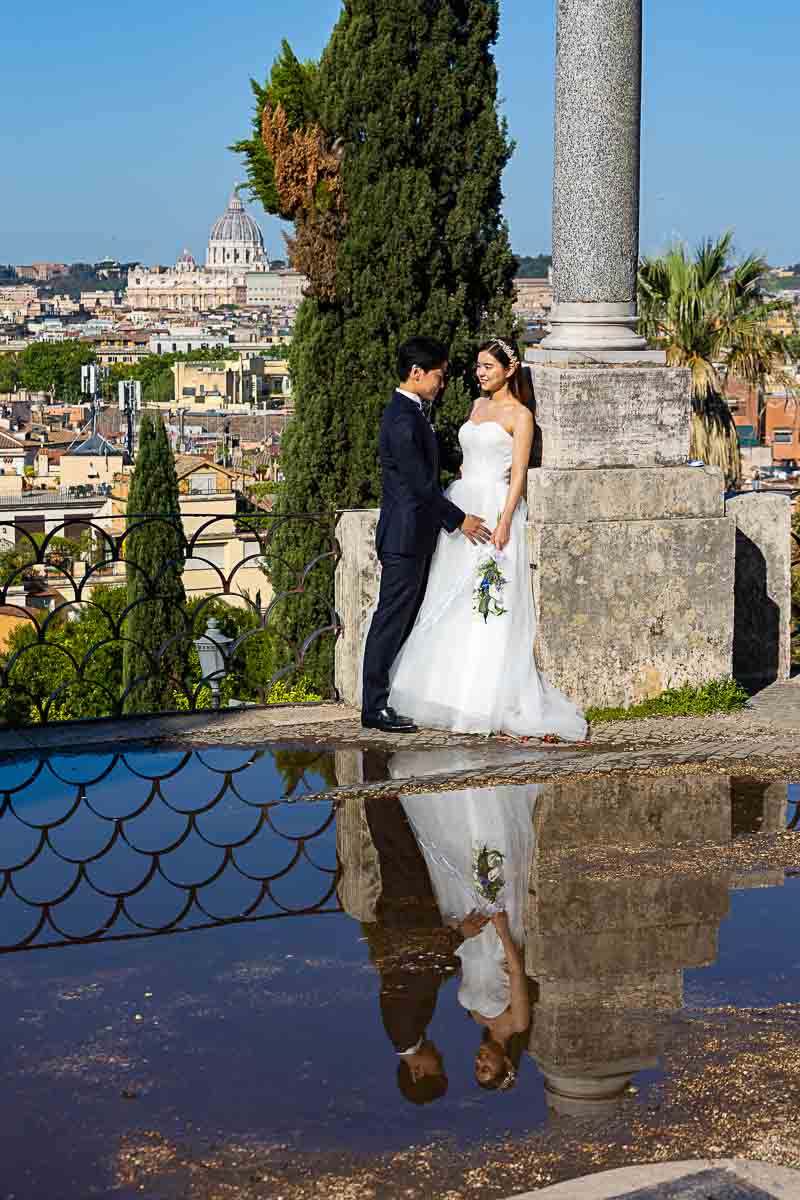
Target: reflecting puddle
pixel 614 960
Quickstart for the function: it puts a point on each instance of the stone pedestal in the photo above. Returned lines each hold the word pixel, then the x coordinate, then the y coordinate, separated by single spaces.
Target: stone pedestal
pixel 631 551
pixel 762 649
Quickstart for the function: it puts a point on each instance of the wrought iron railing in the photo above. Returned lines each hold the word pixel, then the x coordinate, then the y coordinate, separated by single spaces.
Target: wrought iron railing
pixel 75 604
pixel 130 845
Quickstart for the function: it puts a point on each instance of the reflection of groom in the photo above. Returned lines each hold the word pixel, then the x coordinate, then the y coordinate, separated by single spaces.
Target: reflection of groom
pixel 413 511
pixel 411 948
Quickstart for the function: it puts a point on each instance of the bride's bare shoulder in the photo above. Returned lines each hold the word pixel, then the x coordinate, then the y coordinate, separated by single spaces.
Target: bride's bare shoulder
pixel 520 416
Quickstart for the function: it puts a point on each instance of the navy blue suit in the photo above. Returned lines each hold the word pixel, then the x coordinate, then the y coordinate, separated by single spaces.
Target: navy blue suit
pixel 413 512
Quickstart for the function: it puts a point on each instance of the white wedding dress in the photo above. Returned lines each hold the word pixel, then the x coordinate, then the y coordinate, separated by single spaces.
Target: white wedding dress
pixel 457 671
pixel 448 827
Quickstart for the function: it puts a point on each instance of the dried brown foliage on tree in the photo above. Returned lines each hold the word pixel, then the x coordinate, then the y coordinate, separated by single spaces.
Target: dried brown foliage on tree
pixel 308 181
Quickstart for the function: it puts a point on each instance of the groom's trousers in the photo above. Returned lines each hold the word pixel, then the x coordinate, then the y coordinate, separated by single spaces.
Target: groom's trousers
pixel 403 583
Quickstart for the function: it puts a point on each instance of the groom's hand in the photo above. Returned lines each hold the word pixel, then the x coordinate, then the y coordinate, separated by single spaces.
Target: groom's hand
pixel 474 529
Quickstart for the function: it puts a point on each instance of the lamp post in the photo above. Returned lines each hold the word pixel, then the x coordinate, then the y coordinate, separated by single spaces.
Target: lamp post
pixel 211 650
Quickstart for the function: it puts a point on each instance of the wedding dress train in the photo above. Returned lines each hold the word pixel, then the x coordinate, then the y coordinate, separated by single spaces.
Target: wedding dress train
pixel 456 670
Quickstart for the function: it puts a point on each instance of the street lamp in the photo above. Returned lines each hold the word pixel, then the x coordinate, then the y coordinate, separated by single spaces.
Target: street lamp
pixel 211 650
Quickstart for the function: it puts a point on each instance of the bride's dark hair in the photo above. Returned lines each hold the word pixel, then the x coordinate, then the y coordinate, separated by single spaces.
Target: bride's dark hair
pixel 507 353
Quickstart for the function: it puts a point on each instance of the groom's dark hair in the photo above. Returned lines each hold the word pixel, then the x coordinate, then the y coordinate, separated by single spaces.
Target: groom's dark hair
pixel 423 352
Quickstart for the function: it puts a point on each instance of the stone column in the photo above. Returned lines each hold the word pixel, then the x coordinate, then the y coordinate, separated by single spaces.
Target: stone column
pixel 596 181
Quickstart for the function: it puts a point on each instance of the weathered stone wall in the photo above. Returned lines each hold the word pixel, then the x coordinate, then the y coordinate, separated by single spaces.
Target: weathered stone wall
pixel 357 583
pixel 763 587
pixel 359 883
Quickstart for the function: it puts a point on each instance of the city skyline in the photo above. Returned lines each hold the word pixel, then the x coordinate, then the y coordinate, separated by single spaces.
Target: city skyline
pixel 137 172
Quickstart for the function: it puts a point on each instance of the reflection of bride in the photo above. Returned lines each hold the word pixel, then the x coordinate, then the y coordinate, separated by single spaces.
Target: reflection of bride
pixel 461 834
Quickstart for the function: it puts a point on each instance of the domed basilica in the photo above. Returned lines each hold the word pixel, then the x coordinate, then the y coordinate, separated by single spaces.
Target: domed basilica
pixel 235 247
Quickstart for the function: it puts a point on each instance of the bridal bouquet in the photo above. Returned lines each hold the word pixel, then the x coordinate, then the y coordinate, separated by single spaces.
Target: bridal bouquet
pixel 488 595
pixel 487 872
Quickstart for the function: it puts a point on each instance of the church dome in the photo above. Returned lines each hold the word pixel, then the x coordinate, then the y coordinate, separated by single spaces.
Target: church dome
pixel 186 262
pixel 236 240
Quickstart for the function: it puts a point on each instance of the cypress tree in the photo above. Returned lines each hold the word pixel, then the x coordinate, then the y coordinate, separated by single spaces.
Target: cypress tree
pixel 406 90
pixel 154 553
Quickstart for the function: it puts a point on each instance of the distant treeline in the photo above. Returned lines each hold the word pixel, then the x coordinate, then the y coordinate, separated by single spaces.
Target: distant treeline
pixel 533 266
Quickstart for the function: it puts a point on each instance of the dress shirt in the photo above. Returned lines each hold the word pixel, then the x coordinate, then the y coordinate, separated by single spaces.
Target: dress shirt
pixel 412 1049
pixel 411 396
pixel 423 408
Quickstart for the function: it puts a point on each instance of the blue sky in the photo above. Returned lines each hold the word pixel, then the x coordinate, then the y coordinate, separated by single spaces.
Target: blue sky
pixel 115 122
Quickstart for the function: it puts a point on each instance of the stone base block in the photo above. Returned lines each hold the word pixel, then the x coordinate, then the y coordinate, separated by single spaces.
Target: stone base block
pixel 631 605
pixel 634 811
pixel 627 952
pixel 762 649
pixel 631 908
pixel 619 494
pixel 612 416
pixel 357 583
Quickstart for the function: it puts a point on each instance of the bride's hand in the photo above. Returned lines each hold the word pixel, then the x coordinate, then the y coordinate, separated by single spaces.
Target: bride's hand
pixel 502 533
pixel 473 923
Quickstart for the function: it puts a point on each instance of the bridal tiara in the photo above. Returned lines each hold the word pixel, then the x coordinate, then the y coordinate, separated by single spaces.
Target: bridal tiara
pixel 509 351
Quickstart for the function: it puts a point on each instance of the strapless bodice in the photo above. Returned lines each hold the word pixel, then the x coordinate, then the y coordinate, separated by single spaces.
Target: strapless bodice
pixel 487 451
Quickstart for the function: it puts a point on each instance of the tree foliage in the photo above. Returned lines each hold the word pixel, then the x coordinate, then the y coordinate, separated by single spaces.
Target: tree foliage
pixel 53 367
pixel 157 639
pixel 712 316
pixel 534 266
pixel 154 371
pixel 76 662
pixel 292 86
pixel 405 96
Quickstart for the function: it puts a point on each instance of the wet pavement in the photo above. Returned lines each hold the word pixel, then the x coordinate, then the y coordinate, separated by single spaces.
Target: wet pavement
pixel 212 955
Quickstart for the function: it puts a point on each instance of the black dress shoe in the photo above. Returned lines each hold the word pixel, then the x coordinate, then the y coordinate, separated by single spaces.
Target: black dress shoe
pixel 388 720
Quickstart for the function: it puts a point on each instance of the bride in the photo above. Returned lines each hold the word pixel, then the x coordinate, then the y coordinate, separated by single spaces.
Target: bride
pixel 468 664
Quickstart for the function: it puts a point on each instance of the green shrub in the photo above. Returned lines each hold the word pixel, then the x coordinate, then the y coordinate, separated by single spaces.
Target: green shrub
pixel 300 691
pixel 718 695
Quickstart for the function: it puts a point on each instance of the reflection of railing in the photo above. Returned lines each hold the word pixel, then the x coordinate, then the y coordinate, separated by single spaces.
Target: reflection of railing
pixel 130 845
pixel 69 662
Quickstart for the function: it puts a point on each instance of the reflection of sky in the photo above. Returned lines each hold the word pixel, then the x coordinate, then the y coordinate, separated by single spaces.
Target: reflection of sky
pixel 759 960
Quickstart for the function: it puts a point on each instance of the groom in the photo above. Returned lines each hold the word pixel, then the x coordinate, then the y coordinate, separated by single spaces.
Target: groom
pixel 413 511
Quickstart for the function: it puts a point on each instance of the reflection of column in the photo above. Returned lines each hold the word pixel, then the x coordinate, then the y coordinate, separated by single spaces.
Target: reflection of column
pixel 609 953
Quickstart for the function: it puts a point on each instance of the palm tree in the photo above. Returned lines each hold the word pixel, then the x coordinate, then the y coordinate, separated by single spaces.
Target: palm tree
pixel 713 317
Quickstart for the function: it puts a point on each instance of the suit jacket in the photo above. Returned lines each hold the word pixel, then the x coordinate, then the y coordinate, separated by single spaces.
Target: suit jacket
pixel 409 944
pixel 413 509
